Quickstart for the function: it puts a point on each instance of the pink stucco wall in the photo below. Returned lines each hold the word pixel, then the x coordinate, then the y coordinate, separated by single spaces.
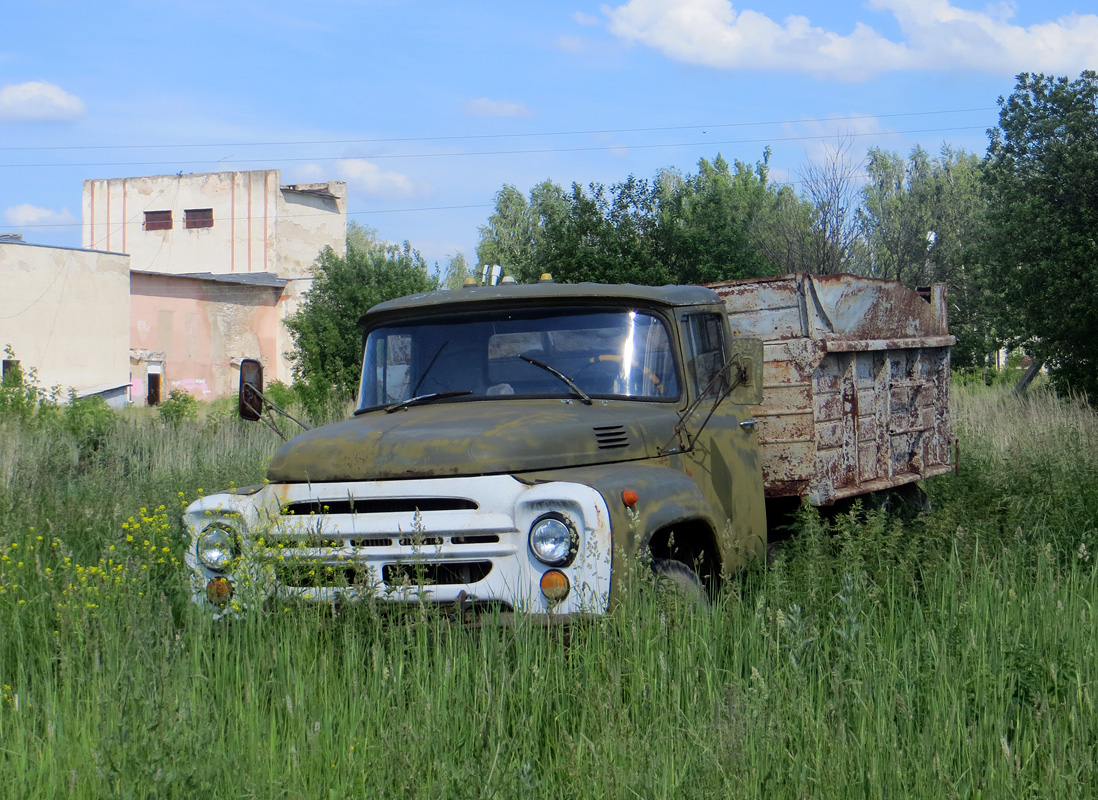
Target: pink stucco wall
pixel 201 328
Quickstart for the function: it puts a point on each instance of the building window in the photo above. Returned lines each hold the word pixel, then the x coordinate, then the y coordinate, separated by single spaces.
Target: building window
pixel 158 220
pixel 198 218
pixel 10 374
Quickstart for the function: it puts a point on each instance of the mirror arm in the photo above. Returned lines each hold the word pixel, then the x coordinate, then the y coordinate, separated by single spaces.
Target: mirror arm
pixel 680 429
pixel 270 408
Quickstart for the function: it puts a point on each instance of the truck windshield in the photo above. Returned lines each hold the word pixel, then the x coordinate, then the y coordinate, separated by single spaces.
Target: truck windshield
pixel 605 353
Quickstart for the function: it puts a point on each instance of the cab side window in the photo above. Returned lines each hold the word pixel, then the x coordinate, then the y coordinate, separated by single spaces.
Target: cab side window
pixel 707 353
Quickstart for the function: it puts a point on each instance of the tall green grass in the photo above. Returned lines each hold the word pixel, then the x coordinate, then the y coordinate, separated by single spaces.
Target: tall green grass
pixel 948 655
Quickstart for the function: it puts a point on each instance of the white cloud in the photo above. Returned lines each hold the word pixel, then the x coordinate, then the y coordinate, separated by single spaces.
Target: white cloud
pixel 311 173
pixel 587 20
pixel 936 35
pixel 25 215
pixel 572 44
pixel 38 101
pixel 496 108
pixel 371 180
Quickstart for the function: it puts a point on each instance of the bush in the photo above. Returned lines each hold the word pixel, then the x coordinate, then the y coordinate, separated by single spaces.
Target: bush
pixel 89 420
pixel 282 395
pixel 180 406
pixel 20 395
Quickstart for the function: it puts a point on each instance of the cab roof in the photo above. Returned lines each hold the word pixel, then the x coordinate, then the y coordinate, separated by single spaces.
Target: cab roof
pixel 536 294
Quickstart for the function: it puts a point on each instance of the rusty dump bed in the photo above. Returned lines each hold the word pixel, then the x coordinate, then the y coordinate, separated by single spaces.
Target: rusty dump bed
pixel 856 382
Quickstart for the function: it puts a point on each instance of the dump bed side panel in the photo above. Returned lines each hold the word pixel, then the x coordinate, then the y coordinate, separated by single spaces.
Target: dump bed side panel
pixel 856 382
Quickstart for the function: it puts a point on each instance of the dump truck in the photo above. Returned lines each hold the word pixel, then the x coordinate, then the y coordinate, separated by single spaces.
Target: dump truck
pixel 521 447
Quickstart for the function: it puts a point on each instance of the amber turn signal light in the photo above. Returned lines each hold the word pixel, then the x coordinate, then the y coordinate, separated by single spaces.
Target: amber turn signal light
pixel 219 591
pixel 630 498
pixel 554 585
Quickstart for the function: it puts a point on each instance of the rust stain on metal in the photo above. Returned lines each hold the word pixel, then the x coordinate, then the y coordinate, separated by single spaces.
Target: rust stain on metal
pixel 856 377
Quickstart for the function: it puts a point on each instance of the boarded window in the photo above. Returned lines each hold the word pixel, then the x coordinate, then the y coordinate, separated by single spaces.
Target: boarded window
pixel 158 220
pixel 198 218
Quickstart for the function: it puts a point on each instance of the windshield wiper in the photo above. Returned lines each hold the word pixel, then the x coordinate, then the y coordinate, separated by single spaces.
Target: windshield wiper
pixel 423 398
pixel 571 383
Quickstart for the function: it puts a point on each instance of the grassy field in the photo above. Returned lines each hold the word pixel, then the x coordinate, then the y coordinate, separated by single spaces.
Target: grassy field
pixel 949 655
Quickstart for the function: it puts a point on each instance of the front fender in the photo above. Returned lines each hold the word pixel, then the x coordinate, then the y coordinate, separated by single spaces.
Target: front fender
pixel 666 497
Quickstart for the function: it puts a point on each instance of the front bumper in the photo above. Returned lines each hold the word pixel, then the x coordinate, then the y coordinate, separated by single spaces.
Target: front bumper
pixel 439 540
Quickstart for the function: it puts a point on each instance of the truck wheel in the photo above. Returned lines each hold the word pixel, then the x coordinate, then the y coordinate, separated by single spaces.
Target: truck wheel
pixel 678 582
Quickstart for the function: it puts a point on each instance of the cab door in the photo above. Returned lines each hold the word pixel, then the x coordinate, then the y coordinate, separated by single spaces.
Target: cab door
pixel 725 377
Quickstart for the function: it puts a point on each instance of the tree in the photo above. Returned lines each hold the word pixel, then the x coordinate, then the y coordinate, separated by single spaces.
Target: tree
pixel 516 236
pixel 455 272
pixel 784 232
pixel 327 351
pixel 920 215
pixel 1041 173
pixel 710 222
pixel 831 188
pixel 508 238
pixel 670 229
pixel 922 221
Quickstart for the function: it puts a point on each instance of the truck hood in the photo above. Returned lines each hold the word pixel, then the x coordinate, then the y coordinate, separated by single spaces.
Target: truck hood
pixel 475 438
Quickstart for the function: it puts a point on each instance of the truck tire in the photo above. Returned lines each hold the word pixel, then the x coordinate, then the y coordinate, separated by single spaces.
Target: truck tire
pixel 679 582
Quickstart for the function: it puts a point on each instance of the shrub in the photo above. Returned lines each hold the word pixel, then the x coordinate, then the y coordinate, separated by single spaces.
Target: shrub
pixel 20 395
pixel 89 420
pixel 180 406
pixel 281 395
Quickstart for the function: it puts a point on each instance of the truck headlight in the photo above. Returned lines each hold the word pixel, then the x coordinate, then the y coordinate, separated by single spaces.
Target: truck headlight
pixel 216 547
pixel 554 540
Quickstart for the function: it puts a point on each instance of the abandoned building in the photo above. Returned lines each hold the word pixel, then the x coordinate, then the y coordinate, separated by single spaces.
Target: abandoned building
pixel 179 278
pixel 66 314
pixel 217 261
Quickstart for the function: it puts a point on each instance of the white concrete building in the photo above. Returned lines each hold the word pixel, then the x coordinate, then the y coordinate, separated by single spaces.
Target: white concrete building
pixel 221 222
pixel 202 248
pixel 66 313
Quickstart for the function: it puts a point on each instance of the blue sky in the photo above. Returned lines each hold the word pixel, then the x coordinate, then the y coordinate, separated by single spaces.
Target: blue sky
pixel 427 108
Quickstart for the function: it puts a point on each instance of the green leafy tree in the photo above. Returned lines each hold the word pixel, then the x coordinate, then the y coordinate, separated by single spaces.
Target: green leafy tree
pixel 670 229
pixel 518 234
pixel 710 222
pixel 1042 176
pixel 327 351
pixel 784 232
pixel 455 272
pixel 509 237
pixel 922 221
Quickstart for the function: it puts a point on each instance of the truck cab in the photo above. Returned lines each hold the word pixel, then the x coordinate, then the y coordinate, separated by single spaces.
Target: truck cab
pixel 515 447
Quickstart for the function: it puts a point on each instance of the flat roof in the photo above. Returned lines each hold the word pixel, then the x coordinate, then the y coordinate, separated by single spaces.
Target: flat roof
pixel 313 189
pixel 58 247
pixel 265 279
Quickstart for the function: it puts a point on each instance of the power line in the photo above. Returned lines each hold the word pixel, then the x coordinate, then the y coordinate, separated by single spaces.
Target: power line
pixel 535 151
pixel 482 136
pixel 134 221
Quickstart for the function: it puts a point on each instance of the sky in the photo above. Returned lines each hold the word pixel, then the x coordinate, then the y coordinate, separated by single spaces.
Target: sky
pixel 426 109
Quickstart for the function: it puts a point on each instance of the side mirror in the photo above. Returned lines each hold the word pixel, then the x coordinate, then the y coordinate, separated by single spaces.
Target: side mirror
pixel 251 389
pixel 749 391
